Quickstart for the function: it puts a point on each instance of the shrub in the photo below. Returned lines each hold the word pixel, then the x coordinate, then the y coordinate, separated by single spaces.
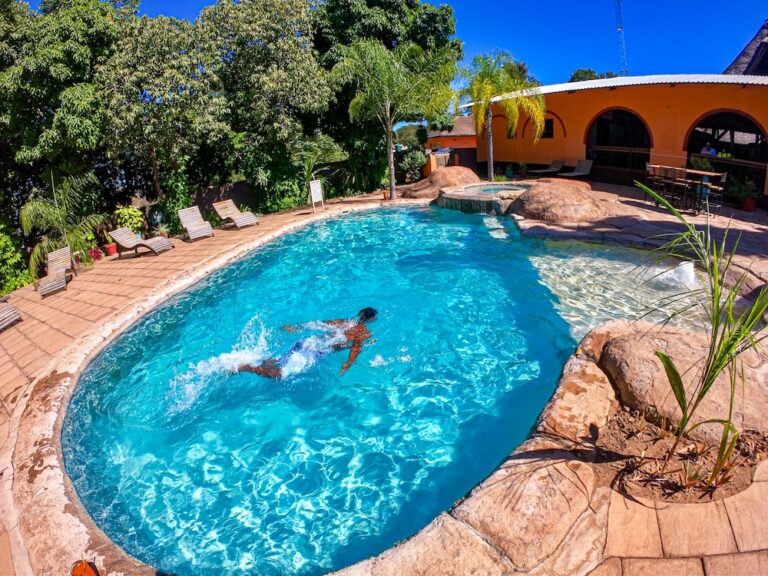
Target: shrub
pixel 177 196
pixel 413 165
pixel 129 217
pixel 13 268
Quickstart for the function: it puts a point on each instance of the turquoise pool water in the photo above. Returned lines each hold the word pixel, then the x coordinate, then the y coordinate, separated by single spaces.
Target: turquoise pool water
pixel 493 188
pixel 198 470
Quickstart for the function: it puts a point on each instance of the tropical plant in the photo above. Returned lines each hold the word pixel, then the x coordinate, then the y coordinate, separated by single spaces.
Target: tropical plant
pixel 699 163
pixel 413 165
pixel 60 219
pixel 13 270
pixel 495 75
pixel 407 83
pixel 161 229
pixel 129 217
pixel 732 329
pixel 313 158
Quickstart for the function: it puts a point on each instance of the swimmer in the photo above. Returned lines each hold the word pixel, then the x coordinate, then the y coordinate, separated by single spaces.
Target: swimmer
pixel 343 335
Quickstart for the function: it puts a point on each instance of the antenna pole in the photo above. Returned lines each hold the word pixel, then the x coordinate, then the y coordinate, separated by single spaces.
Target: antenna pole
pixel 624 70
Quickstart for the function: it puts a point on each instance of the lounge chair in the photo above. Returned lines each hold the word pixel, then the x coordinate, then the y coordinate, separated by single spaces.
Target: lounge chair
pixel 126 239
pixel 9 315
pixel 553 168
pixel 194 224
pixel 583 168
pixel 59 264
pixel 228 211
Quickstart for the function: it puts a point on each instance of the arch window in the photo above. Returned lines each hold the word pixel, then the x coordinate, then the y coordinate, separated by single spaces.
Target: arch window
pixel 619 139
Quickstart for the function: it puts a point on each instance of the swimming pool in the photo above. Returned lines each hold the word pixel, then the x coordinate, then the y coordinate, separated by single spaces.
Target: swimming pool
pixel 194 469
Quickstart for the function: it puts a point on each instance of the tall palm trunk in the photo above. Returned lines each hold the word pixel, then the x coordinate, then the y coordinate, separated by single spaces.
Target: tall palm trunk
pixel 390 160
pixel 489 140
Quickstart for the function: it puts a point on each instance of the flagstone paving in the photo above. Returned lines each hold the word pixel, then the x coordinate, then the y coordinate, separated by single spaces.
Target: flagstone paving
pixel 538 513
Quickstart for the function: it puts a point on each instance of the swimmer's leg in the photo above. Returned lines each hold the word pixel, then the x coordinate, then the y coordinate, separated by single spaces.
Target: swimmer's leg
pixel 269 368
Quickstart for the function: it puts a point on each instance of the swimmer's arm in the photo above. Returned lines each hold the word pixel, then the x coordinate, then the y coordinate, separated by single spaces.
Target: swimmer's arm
pixel 354 352
pixel 305 325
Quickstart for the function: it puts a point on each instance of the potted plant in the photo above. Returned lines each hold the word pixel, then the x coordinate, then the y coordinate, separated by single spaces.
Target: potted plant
pixel 746 192
pixel 110 247
pixel 161 229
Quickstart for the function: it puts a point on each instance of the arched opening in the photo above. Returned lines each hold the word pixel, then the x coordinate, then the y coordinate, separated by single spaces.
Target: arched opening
pixel 731 142
pixel 618 138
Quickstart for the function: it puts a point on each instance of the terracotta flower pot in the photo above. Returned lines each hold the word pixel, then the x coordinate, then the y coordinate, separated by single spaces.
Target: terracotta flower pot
pixel 111 249
pixel 749 204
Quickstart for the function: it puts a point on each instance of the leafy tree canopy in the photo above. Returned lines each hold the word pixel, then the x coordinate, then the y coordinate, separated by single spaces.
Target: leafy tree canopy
pixel 589 74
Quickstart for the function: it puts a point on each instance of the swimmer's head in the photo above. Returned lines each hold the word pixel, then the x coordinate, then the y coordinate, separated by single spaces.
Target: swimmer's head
pixel 366 315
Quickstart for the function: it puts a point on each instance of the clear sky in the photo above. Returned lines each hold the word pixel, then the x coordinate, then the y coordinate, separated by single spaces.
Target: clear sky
pixel 558 36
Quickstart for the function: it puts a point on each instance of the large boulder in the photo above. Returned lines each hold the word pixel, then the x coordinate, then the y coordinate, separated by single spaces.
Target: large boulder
pixel 626 352
pixel 441 178
pixel 560 201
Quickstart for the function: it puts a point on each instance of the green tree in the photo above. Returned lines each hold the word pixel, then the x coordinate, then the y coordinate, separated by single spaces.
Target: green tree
pixel 490 76
pixel 391 86
pixel 61 220
pixel 341 23
pixel 412 135
pixel 160 93
pixel 582 74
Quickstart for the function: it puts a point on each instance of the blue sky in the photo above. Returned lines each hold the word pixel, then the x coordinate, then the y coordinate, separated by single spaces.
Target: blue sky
pixel 556 37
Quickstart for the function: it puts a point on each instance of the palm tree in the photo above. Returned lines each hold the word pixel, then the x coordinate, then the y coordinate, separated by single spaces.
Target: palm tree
pixel 495 75
pixel 404 84
pixel 60 220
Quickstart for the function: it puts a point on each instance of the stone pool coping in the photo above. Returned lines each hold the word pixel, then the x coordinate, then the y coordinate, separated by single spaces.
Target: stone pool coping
pixel 540 511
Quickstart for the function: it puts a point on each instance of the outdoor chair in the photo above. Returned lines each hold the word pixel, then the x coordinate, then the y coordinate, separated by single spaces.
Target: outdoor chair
pixel 9 315
pixel 228 211
pixel 59 264
pixel 712 194
pixel 193 223
pixel 583 168
pixel 316 194
pixel 126 239
pixel 553 168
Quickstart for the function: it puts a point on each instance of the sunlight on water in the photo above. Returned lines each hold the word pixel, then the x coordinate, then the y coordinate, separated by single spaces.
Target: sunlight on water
pixel 195 468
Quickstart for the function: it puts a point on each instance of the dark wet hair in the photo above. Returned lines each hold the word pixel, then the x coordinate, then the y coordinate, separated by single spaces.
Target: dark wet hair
pixel 366 314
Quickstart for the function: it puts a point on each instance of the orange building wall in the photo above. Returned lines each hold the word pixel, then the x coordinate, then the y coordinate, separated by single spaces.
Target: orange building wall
pixel 452 142
pixel 669 112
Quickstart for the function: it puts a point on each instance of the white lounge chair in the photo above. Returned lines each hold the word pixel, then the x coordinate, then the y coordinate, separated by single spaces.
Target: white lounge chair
pixel 126 239
pixel 9 315
pixel 59 264
pixel 553 168
pixel 316 193
pixel 227 210
pixel 194 224
pixel 583 168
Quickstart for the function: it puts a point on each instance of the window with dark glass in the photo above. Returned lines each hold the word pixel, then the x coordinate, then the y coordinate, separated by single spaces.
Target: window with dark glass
pixel 549 128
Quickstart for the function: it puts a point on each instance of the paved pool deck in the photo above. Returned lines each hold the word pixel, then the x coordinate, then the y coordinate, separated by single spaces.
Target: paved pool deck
pixel 110 289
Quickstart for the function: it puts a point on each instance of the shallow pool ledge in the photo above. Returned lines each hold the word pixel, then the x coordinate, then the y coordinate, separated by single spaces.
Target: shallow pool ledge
pixel 48 527
pixel 539 512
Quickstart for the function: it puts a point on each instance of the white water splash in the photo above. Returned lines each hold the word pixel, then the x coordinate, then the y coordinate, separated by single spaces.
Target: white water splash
pixel 251 348
pixel 682 275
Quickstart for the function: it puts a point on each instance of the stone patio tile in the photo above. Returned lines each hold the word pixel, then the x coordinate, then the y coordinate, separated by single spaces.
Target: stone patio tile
pixel 610 567
pixel 662 567
pixel 695 529
pixel 746 564
pixel 761 474
pixel 444 548
pixel 529 505
pixel 633 529
pixel 748 513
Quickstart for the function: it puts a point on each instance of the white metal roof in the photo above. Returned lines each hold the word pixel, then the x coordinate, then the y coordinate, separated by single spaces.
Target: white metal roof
pixel 622 81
